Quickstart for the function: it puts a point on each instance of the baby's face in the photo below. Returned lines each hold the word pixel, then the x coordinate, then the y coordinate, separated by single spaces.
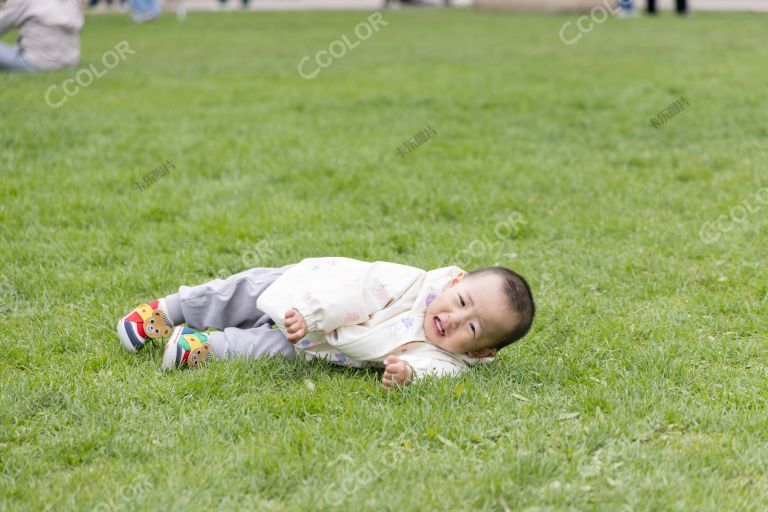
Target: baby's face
pixel 471 315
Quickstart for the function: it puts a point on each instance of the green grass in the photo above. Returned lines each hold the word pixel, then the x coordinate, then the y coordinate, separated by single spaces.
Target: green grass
pixel 656 339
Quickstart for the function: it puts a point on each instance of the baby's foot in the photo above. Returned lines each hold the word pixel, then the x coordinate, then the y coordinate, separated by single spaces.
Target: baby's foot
pixel 186 347
pixel 145 322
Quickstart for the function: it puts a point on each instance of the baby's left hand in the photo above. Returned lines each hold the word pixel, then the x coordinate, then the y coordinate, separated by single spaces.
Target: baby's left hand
pixel 396 372
pixel 295 326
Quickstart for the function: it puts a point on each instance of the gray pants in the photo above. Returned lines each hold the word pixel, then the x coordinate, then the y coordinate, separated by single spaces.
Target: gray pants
pixel 12 57
pixel 229 305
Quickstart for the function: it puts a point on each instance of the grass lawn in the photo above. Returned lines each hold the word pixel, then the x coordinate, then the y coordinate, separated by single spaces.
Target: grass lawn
pixel 642 386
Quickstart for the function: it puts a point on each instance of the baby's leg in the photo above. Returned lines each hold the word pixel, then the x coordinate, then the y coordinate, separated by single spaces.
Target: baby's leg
pixel 222 303
pixel 188 347
pixel 218 304
pixel 251 343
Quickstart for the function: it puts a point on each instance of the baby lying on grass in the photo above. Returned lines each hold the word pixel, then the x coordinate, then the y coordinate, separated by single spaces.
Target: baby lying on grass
pixel 410 322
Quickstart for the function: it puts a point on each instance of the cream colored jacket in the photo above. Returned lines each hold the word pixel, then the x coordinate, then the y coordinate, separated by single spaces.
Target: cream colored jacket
pixel 359 312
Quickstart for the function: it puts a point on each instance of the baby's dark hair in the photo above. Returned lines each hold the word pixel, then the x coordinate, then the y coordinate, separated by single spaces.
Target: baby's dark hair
pixel 519 298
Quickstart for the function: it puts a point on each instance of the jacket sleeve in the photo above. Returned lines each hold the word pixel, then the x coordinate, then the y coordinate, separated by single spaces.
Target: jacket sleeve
pixel 428 366
pixel 429 360
pixel 334 292
pixel 11 15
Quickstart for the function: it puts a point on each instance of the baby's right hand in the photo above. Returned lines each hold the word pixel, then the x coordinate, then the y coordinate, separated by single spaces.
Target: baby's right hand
pixel 295 325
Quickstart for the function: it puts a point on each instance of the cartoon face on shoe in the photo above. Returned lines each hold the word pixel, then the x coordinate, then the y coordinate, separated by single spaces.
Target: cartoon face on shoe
pixel 470 316
pixel 155 326
pixel 198 349
pixel 198 356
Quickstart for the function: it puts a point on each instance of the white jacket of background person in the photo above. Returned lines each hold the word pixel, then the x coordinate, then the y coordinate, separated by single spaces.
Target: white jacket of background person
pixel 49 30
pixel 358 312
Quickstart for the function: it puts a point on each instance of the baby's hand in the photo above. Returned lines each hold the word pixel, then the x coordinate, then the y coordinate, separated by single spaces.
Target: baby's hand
pixel 396 372
pixel 295 325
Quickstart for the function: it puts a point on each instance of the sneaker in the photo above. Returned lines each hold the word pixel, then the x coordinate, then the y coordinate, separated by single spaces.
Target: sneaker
pixel 626 13
pixel 144 17
pixel 142 324
pixel 187 347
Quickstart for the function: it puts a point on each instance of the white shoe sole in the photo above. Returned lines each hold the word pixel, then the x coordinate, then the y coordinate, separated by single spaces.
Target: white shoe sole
pixel 125 341
pixel 169 354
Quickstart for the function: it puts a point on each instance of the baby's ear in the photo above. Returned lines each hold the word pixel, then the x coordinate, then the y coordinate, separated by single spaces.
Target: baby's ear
pixel 456 280
pixel 483 352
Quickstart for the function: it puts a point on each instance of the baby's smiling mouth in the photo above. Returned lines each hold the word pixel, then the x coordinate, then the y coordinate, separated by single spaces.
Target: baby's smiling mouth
pixel 439 328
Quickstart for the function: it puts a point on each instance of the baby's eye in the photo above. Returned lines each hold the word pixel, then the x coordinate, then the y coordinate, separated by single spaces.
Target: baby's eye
pixel 472 326
pixel 461 301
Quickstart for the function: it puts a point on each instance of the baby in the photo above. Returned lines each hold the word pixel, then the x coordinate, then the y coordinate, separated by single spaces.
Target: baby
pixel 410 322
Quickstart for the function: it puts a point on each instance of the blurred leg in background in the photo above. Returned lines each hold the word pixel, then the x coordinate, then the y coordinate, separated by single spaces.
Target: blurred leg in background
pixel 681 6
pixel 12 58
pixel 144 10
pixel 626 9
pixel 223 3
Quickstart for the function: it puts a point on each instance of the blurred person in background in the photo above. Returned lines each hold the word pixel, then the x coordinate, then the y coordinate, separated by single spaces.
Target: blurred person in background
pixel 145 10
pixel 92 4
pixel 681 6
pixel 244 3
pixel 49 34
pixel 627 10
pixel 413 3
